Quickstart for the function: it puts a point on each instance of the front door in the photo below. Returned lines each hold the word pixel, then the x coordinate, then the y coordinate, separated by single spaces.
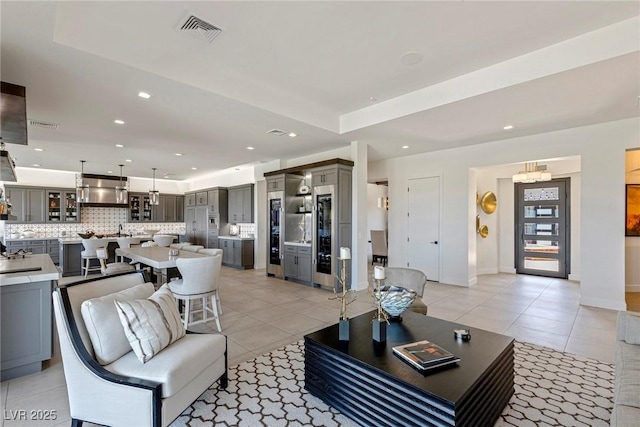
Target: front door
pixel 424 226
pixel 542 228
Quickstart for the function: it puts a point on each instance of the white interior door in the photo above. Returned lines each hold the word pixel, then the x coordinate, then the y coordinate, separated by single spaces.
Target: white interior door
pixel 424 226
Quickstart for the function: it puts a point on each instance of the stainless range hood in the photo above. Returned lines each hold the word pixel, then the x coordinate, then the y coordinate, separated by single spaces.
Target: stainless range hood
pixel 7 169
pixel 102 190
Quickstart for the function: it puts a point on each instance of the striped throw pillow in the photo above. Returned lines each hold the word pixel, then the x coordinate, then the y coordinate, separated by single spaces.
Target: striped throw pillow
pixel 151 324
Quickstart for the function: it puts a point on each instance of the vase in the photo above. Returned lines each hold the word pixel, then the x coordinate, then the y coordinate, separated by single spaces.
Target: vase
pixel 379 330
pixel 397 301
pixel 343 328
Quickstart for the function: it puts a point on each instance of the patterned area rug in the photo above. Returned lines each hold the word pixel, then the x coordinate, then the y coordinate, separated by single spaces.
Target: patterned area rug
pixel 551 389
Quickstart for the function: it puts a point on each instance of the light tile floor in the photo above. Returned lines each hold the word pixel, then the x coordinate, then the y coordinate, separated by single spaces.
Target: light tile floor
pixel 261 314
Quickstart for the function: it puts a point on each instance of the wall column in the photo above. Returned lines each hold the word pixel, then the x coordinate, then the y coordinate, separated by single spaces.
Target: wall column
pixel 359 279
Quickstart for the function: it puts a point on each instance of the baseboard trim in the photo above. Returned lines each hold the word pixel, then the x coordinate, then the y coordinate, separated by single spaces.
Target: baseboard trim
pixel 509 270
pixel 600 303
pixel 632 288
pixel 489 270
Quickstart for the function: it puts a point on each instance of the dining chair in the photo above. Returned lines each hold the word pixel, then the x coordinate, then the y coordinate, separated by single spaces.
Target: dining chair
pixel 89 253
pixel 192 248
pixel 163 239
pixel 178 245
pixel 126 242
pixel 200 281
pixel 379 246
pixel 112 267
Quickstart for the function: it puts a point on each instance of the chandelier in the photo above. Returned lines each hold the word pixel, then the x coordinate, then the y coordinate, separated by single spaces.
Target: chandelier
pixel 82 189
pixel 532 173
pixel 122 191
pixel 154 195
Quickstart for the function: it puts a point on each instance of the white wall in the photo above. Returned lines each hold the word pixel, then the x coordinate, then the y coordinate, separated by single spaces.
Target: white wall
pixel 602 150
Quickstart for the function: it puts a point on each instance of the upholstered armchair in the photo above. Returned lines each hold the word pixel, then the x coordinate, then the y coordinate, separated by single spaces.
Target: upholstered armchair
pixel 109 388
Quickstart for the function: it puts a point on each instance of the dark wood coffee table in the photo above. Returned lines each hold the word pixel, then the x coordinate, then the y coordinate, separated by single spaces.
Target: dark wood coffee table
pixel 365 381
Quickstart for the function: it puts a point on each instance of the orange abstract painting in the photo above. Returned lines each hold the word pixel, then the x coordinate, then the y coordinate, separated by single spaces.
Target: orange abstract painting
pixel 633 210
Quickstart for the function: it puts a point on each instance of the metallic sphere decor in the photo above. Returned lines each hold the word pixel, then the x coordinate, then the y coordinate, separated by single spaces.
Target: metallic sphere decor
pixel 397 300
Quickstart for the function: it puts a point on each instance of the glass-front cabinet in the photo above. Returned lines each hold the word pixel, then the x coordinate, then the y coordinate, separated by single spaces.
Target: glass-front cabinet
pixel 140 208
pixel 61 206
pixel 323 232
pixel 275 209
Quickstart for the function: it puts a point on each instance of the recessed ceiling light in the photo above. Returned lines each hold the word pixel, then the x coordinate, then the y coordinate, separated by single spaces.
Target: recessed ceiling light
pixel 178 154
pixel 293 134
pixel 193 169
pixel 118 122
pixel 109 171
pixel 250 148
pixel 405 146
pixel 119 145
pixel 144 95
pixel 508 127
pixel 128 160
pixel 38 149
pixel 237 169
pixel 35 165
pixel 373 99
pixel 412 58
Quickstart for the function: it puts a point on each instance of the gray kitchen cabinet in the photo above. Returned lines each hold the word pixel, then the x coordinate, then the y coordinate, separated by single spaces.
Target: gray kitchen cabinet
pixel 169 209
pixel 27 328
pixel 196 225
pixel 53 249
pixel 190 200
pixel 140 208
pixel 241 204
pixel 297 262
pixel 237 253
pixel 61 205
pixel 275 183
pixel 28 203
pixel 34 246
pixel 201 198
pixel 70 259
pixel 324 176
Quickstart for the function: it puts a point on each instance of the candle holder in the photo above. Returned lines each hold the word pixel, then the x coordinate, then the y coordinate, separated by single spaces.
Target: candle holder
pixel 381 319
pixel 345 295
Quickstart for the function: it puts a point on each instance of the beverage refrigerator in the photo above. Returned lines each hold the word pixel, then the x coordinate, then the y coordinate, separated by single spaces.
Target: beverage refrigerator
pixel 275 253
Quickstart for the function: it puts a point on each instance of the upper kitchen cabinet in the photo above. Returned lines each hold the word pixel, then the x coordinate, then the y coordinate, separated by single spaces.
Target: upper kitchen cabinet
pixel 201 198
pixel 62 205
pixel 28 203
pixel 190 200
pixel 241 203
pixel 140 209
pixel 275 183
pixel 324 176
pixel 217 199
pixel 170 209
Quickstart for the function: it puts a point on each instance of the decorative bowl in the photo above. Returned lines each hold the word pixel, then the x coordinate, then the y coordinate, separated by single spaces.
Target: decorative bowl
pixel 86 235
pixel 99 236
pixel 397 300
pixel 29 233
pixel 151 232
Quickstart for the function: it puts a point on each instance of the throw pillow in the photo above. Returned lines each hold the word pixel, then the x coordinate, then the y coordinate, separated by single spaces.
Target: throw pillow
pixel 103 325
pixel 632 335
pixel 151 324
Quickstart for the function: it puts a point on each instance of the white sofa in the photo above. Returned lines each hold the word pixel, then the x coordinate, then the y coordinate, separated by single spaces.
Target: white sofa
pixel 626 400
pixel 127 392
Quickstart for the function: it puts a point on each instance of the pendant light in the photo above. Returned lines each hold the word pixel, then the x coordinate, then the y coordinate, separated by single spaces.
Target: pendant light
pixel 121 191
pixel 82 190
pixel 154 196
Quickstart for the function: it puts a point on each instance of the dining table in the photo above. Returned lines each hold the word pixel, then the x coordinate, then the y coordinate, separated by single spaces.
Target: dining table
pixel 158 257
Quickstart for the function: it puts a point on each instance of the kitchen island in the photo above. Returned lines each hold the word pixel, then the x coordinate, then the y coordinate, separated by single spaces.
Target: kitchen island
pixel 26 324
pixel 237 251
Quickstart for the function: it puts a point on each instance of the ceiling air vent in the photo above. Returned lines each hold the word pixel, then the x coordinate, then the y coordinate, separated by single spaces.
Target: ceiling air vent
pixel 199 29
pixel 46 125
pixel 276 132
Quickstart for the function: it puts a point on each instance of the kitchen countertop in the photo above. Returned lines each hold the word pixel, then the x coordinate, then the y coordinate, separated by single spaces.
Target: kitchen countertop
pixel 236 238
pixel 77 239
pixel 298 243
pixel 47 271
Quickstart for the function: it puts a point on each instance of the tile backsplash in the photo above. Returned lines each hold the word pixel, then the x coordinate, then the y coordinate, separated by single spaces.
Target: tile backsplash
pixel 100 220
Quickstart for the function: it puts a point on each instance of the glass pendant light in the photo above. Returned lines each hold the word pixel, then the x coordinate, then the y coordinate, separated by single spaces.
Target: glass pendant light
pixel 154 196
pixel 82 190
pixel 121 191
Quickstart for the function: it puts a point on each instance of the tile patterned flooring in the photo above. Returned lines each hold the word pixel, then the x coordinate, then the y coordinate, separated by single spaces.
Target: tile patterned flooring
pixel 261 314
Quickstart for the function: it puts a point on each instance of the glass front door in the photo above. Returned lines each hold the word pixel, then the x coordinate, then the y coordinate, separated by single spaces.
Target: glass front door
pixel 542 228
pixel 323 233
pixel 275 207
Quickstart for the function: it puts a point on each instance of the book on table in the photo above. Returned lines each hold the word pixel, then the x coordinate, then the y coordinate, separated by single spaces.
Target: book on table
pixel 425 355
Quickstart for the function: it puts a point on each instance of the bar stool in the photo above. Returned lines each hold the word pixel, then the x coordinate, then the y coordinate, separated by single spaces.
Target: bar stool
pixel 112 267
pixel 192 248
pixel 89 253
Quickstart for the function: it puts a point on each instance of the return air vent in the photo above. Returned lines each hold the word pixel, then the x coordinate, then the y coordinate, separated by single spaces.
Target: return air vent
pixel 199 29
pixel 40 124
pixel 277 132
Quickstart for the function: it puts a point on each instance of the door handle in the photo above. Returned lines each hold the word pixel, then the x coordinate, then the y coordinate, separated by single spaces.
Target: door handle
pixel 435 242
